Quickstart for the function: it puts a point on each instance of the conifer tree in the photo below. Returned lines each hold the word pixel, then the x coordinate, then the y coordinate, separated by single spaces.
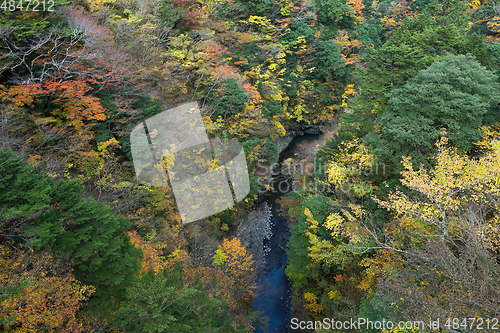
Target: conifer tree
pixel 455 94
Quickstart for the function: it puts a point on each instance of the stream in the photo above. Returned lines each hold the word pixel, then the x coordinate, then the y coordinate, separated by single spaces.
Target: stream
pixel 274 291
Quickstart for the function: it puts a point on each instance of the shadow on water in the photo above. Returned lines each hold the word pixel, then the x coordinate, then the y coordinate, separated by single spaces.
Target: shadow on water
pixel 274 291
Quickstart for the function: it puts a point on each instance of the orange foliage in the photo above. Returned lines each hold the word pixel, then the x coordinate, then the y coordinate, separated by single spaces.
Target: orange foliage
pixel 36 295
pixel 349 47
pixel 75 104
pixel 238 262
pixel 398 15
pixel 71 98
pixel 254 97
pixel 339 278
pixel 358 6
pixel 224 72
pixel 238 265
pixel 215 283
pixel 152 259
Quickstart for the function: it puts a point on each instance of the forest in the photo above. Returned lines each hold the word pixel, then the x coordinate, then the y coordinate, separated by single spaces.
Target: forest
pixel 397 217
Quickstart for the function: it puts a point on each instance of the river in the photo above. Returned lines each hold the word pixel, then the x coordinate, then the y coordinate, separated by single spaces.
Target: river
pixel 274 291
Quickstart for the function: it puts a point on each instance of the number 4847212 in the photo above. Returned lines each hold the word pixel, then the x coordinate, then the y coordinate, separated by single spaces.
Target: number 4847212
pixel 27 5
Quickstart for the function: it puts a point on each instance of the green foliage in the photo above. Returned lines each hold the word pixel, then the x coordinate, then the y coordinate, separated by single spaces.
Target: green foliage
pixel 413 47
pixel 300 266
pixel 297 29
pixel 250 144
pixel 494 51
pixel 29 23
pixel 271 108
pixel 335 13
pixel 54 214
pixel 370 34
pixel 328 62
pixel 387 68
pixel 254 54
pixel 259 7
pixel 272 152
pixel 231 101
pixel 420 4
pixel 373 309
pixel 169 14
pixel 22 192
pixel 95 242
pixel 455 93
pixel 446 12
pixel 163 303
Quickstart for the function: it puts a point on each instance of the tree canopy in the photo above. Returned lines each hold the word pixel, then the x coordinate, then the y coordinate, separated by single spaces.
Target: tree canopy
pixel 454 94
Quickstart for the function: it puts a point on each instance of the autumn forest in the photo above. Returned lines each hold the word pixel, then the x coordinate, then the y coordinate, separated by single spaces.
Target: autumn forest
pixel 397 217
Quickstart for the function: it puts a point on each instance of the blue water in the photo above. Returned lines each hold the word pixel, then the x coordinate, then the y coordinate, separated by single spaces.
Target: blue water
pixel 271 301
pixel 274 290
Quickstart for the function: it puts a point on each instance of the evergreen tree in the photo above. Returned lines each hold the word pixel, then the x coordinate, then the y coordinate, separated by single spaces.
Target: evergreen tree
pixel 232 99
pixel 163 303
pixel 335 13
pixel 43 213
pixel 455 93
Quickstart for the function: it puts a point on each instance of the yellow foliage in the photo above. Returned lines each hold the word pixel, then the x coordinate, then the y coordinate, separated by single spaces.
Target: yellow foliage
pixel 456 193
pixel 298 111
pixel 348 93
pixel 337 174
pixel 348 164
pixel 494 24
pixel 490 135
pixel 279 127
pixel 474 4
pixel 264 25
pixel 334 295
pixel 313 304
pixel 313 224
pixel 334 223
pixel 40 297
pixel 96 4
pixel 219 258
pixel 211 6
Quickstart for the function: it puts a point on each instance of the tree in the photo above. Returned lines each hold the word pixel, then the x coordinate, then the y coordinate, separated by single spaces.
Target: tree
pixel 164 303
pixel 232 99
pixel 259 7
pixel 319 259
pixel 53 214
pixel 169 14
pixel 455 94
pixel 388 67
pixel 328 64
pixel 66 106
pixel 237 263
pixel 38 292
pixel 27 24
pixel 152 259
pixel 304 236
pixel 335 13
pixel 439 249
pixel 440 284
pixel 79 48
pixel 416 43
